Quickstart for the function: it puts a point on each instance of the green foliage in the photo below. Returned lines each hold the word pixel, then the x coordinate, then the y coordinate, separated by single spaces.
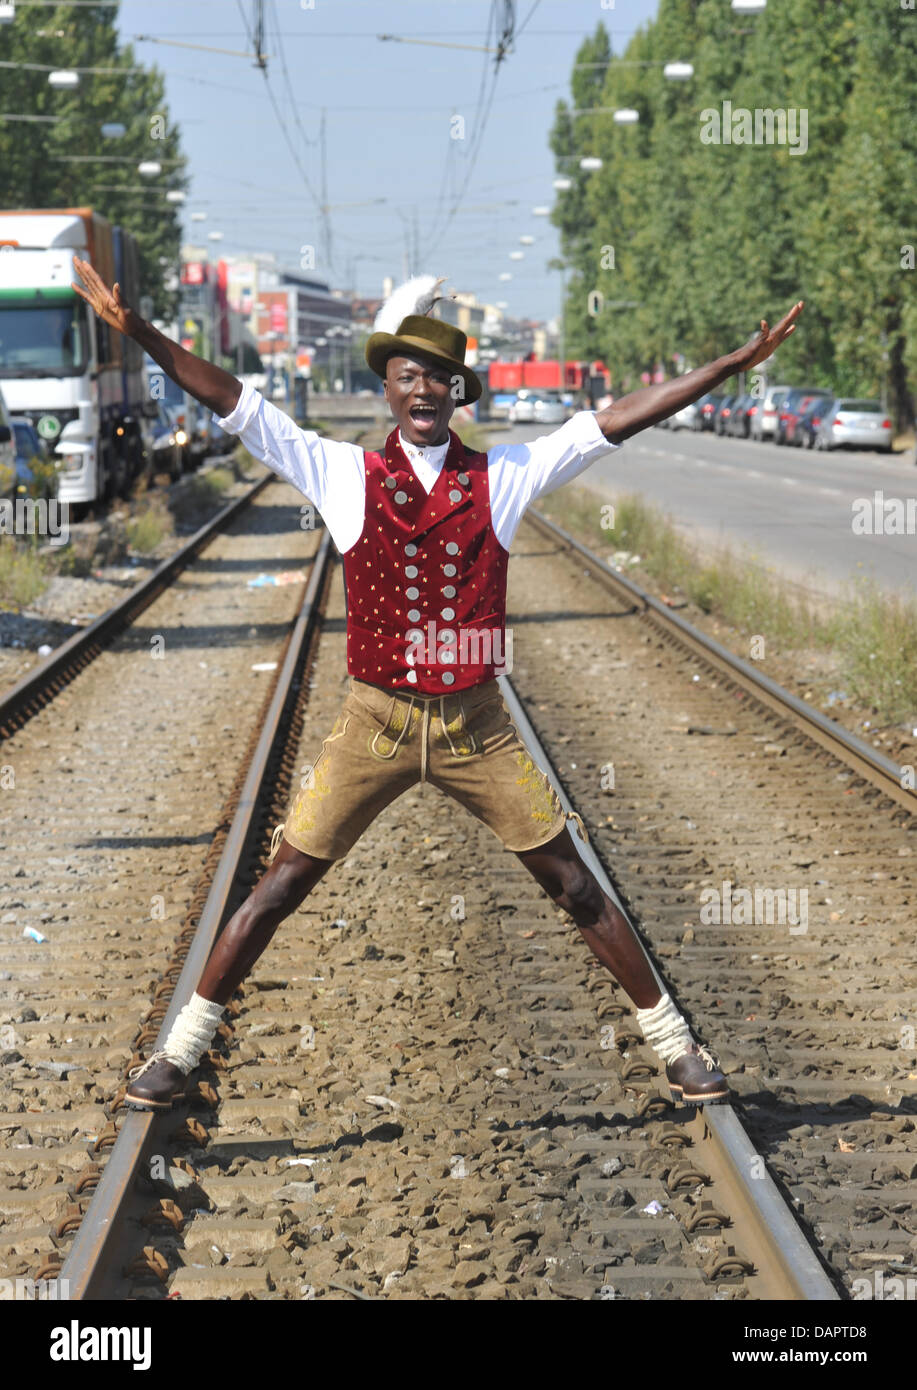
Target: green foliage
pixel 710 238
pixel 23 575
pixel 148 527
pixel 68 162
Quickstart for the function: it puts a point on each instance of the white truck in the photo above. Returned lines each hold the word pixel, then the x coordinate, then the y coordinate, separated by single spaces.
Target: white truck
pixel 81 383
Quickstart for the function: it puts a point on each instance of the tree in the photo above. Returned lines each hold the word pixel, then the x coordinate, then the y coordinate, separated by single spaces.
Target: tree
pixel 67 162
pixel 709 235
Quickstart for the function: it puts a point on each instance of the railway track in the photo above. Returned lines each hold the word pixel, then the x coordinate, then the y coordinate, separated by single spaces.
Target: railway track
pixel 90 915
pixel 428 1089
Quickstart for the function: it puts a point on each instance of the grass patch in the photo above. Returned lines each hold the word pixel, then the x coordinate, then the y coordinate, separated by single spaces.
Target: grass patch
pixel 23 573
pixel 199 494
pixel 871 636
pixel 147 528
pixel 876 639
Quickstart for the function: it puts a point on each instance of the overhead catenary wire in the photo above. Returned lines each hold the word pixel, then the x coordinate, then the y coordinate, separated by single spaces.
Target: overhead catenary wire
pixel 436 234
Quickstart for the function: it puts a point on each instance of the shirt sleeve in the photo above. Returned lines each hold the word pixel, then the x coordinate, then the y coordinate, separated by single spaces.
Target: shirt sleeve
pixel 328 472
pixel 521 473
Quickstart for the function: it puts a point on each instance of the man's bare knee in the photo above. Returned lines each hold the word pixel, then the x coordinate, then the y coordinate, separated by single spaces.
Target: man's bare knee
pixel 287 882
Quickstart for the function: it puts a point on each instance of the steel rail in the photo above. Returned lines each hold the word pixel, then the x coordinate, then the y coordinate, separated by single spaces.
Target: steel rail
pixel 788 1266
pixel 40 686
pixel 871 764
pixel 88 1268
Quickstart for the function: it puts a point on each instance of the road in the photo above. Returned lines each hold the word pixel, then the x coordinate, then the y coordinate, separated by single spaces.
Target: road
pixel 793 509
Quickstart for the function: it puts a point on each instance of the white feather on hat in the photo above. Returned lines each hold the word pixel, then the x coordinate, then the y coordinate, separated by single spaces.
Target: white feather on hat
pixel 415 296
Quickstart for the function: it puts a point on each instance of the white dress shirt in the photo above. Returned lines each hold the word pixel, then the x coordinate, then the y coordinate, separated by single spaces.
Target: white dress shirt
pixel 331 474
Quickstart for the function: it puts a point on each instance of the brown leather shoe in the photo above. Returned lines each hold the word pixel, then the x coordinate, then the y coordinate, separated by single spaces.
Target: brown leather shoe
pixel 155 1085
pixel 695 1078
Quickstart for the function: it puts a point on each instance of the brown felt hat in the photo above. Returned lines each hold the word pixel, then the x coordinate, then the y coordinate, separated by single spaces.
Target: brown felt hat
pixel 421 336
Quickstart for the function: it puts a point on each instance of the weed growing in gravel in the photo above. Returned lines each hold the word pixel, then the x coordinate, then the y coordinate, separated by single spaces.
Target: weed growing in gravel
pixel 876 635
pixel 198 494
pixel 147 528
pixel 23 573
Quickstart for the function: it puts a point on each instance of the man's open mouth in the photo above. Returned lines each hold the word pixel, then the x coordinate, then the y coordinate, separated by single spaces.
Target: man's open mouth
pixel 420 413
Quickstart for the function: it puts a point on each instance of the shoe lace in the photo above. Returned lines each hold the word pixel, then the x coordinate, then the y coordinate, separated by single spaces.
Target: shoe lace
pixel 707 1057
pixel 145 1066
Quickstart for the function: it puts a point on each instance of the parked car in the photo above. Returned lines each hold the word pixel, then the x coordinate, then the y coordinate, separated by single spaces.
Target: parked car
pixel 792 426
pixel 7 450
pixel 169 440
pixel 549 410
pixel 32 460
pixel 522 410
pixel 723 414
pixel 707 407
pixel 685 418
pixel 739 417
pixel 764 422
pixel 794 403
pixel 809 422
pixel 863 424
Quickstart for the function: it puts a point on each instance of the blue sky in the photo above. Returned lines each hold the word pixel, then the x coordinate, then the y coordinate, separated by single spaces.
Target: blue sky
pixel 389 124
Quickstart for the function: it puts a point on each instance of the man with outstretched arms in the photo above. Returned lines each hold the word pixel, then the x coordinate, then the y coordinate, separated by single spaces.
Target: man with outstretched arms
pixel 424 527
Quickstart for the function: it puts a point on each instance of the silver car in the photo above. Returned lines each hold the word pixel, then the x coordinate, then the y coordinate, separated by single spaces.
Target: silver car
pixel 522 410
pixel 549 410
pixel 863 424
pixel 764 420
pixel 686 418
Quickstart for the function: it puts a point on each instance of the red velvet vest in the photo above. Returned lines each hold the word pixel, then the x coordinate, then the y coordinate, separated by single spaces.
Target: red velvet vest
pixel 426 581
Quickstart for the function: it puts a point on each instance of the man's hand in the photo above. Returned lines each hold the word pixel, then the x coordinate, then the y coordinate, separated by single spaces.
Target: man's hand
pixel 107 303
pixel 639 409
pixel 207 383
pixel 767 340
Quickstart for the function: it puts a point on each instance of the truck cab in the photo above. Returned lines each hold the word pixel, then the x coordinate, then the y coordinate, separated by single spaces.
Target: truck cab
pixel 61 366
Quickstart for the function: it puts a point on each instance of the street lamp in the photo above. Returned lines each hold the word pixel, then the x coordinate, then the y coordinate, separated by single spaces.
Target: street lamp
pixel 215 236
pixel 64 78
pixel 526 241
pixel 505 275
pixel 749 6
pixel 149 168
pixel 198 217
pixel 590 163
pixel 626 116
pixel 678 72
pixel 517 255
pixel 542 210
pixel 562 185
pixel 175 195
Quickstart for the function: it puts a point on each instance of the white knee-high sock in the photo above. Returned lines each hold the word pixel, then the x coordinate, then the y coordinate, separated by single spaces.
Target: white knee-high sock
pixel 665 1030
pixel 190 1034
